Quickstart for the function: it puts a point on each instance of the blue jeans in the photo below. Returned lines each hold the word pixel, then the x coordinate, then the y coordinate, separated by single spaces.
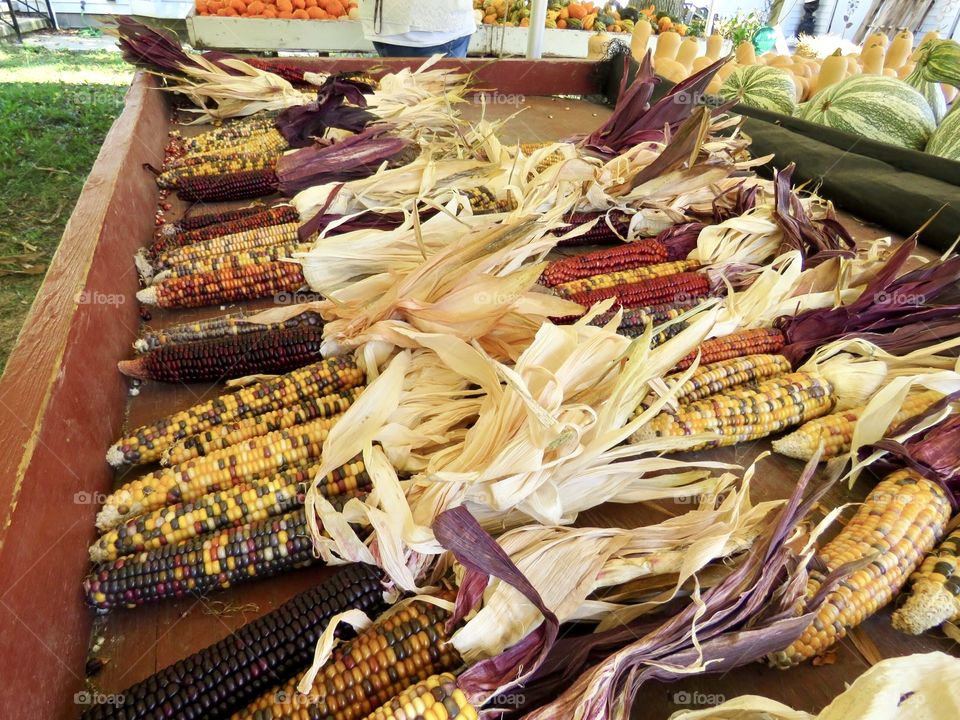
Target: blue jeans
pixel 454 48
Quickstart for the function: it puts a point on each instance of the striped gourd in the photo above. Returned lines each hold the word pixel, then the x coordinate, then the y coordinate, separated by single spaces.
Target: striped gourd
pixel 761 86
pixel 945 142
pixel 940 60
pixel 930 90
pixel 877 108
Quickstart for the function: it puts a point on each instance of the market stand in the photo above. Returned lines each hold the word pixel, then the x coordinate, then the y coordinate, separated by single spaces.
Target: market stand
pixel 64 402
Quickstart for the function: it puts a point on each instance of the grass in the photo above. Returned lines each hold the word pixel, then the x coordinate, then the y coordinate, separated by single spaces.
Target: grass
pixel 55 109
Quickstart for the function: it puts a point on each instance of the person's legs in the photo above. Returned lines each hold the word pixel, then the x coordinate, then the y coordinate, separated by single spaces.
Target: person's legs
pixel 454 48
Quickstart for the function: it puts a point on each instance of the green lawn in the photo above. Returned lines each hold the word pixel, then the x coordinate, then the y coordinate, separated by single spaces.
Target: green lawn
pixel 55 109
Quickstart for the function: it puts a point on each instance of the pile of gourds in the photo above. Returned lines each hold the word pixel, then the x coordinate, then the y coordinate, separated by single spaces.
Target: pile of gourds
pixel 561 14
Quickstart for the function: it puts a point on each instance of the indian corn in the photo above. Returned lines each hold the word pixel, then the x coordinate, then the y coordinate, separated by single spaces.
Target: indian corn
pixel 436 698
pixel 624 256
pixel 225 286
pixel 612 228
pixel 232 260
pixel 220 326
pixel 618 278
pixel 724 375
pixel 214 225
pixel 935 593
pixel 230 186
pixel 253 239
pixel 654 291
pixel 738 344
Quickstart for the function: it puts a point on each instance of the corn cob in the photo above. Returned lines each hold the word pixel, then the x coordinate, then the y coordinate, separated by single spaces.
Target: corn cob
pixel 405 647
pixel 747 413
pixel 246 240
pixel 221 326
pixel 655 291
pixel 899 522
pixel 172 236
pixel 237 132
pixel 436 698
pixel 935 593
pixel 198 166
pixel 624 256
pixel 230 186
pixel 225 286
pixel 291 73
pixel 232 260
pixel 624 277
pixel 599 234
pixel 147 443
pixel 199 221
pixel 835 431
pixel 273 352
pixel 225 676
pixel 482 201
pixel 243 503
pixel 252 459
pixel 224 436
pixel 633 321
pixel 721 376
pixel 738 344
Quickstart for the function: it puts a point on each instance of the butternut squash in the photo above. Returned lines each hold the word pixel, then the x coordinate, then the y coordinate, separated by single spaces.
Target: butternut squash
pixel 700 63
pixel 668 43
pixel 597 46
pixel 832 71
pixel 905 70
pixel 746 54
pixel 879 37
pixel 873 61
pixel 869 43
pixel 949 92
pixel 889 72
pixel 687 52
pixel 671 69
pixel 724 72
pixel 714 46
pixel 714 87
pixel 853 64
pixel 640 39
pixel 899 50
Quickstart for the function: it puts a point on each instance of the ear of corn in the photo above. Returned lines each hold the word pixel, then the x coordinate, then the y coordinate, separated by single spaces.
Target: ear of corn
pixel 242 503
pixel 654 291
pixel 898 523
pixel 436 698
pixel 725 375
pixel 234 133
pixel 624 256
pixel 175 232
pixel 147 443
pixel 244 241
pixel 232 260
pixel 224 436
pixel 233 186
pixel 221 326
pixel 483 200
pixel 227 675
pixel 405 647
pixel 252 459
pixel 235 356
pixel 935 594
pixel 225 286
pixel 835 431
pixel 612 228
pixel 624 277
pixel 738 344
pixel 746 413
pixel 221 163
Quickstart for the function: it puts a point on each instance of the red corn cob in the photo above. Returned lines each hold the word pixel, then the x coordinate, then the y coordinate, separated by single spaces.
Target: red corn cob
pixel 272 353
pixel 655 291
pixel 225 286
pixel 233 186
pixel 601 233
pixel 172 236
pixel 202 220
pixel 291 73
pixel 620 257
pixel 738 344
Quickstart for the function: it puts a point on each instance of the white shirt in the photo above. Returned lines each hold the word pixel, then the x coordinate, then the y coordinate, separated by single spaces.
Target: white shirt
pixel 417 23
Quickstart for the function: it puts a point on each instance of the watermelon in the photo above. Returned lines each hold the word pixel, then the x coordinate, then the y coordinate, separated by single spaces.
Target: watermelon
pixel 940 60
pixel 876 107
pixel 945 142
pixel 761 86
pixel 930 90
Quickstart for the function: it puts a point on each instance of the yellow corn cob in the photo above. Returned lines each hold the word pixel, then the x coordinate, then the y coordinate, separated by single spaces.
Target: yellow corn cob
pixel 261 237
pixel 224 436
pixel 405 647
pixel 835 431
pixel 898 523
pixel 252 459
pixel 482 201
pixel 217 164
pixel 258 131
pixel 746 413
pixel 551 159
pixel 436 698
pixel 147 444
pixel 623 277
pixel 935 595
pixel 244 503
pixel 721 376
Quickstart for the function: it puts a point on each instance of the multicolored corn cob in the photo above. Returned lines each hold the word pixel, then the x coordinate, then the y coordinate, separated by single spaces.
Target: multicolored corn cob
pixel 147 443
pixel 246 240
pixel 634 320
pixel 619 278
pixel 899 522
pixel 232 260
pixel 436 698
pixel 252 459
pixel 835 431
pixel 243 503
pixel 745 413
pixel 273 352
pixel 624 256
pixel 403 647
pixel 221 326
pixel 217 164
pixel 724 375
pixel 229 186
pixel 225 286
pixel 190 223
pixel 229 674
pixel 738 344
pixel 611 229
pixel 545 162
pixel 171 236
pixel 223 436
pixel 483 200
pixel 259 127
pixel 655 291
pixel 935 593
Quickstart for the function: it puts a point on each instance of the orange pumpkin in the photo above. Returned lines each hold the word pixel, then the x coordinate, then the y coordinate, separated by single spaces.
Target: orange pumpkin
pixel 255 8
pixel 284 6
pixel 270 13
pixel 333 7
pixel 576 11
pixel 561 24
pixel 301 14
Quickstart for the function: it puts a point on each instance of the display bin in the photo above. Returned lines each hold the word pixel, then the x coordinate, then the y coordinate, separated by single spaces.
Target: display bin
pixel 62 403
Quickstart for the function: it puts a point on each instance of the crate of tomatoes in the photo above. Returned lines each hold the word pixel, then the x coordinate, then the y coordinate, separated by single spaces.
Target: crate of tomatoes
pixel 283 9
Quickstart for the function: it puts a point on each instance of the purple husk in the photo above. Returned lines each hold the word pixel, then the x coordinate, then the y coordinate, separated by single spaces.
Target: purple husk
pixel 680 240
pixel 358 156
pixel 635 121
pixel 160 50
pixel 744 200
pixel 364 221
pixel 302 123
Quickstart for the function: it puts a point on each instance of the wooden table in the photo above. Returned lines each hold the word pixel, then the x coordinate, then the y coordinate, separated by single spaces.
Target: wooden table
pixel 63 401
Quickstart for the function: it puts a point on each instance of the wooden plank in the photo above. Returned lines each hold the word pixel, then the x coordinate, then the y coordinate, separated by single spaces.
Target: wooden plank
pixel 61 403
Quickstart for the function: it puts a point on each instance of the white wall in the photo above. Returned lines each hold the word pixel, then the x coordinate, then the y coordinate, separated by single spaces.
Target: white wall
pixel 147 8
